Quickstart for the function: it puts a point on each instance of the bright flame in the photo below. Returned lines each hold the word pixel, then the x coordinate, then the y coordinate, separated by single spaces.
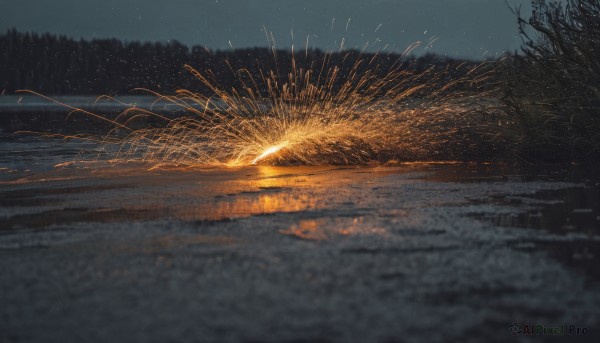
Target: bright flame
pixel 272 150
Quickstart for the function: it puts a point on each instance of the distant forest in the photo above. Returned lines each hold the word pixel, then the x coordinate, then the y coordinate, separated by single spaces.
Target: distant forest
pixel 56 65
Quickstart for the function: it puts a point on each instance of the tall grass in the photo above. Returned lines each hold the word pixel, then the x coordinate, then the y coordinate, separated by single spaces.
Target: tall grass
pixel 552 89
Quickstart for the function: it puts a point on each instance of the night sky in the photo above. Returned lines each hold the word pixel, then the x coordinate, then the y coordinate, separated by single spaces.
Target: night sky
pixel 463 28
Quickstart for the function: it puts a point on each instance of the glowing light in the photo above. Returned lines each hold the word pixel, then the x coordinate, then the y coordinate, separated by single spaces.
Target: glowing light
pixel 333 108
pixel 270 151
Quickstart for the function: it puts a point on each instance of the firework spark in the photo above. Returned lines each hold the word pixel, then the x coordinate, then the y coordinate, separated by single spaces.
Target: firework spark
pixel 335 108
pixel 270 151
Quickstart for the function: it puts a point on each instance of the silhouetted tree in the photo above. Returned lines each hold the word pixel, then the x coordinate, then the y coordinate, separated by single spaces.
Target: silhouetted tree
pixel 57 65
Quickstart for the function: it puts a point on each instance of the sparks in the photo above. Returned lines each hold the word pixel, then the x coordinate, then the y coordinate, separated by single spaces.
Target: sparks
pixel 270 151
pixel 323 108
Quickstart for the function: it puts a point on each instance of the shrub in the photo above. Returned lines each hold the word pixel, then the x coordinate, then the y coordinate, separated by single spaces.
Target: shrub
pixel 552 89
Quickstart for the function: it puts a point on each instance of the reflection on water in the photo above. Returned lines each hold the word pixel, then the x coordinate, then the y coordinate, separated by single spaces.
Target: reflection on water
pixel 102 192
pixel 89 191
pixel 268 190
pixel 332 227
pixel 245 205
pixel 307 229
pixel 105 193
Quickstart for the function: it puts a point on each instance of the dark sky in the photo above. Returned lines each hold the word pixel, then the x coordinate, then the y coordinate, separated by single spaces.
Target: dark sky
pixel 465 28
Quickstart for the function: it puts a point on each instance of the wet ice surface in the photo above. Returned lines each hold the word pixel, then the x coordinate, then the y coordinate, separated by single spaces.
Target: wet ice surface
pixel 97 252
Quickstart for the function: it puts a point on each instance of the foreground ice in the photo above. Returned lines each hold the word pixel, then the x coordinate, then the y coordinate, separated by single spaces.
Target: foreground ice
pixel 91 252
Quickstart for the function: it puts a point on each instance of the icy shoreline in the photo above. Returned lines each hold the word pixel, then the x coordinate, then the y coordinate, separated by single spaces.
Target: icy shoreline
pixel 276 254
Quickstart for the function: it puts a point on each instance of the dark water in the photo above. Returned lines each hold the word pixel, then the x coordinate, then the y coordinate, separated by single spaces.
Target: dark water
pixel 416 252
pixel 561 212
pixel 28 104
pixel 576 208
pixel 56 115
pixel 28 154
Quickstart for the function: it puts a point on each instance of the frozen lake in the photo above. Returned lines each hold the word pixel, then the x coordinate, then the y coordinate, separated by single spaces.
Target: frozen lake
pixel 55 114
pixel 29 103
pixel 420 252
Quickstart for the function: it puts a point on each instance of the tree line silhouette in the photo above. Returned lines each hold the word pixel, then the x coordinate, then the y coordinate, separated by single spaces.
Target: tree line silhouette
pixel 57 65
